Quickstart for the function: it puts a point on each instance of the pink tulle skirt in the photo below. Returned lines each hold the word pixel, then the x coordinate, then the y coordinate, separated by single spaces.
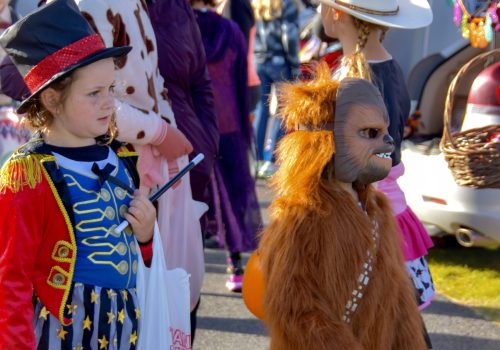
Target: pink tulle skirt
pixel 414 238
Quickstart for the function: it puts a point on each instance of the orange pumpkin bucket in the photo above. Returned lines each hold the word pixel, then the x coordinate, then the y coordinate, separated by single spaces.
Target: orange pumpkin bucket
pixel 253 286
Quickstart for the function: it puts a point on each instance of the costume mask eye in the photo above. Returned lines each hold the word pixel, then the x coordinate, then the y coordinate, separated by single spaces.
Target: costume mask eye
pixel 370 133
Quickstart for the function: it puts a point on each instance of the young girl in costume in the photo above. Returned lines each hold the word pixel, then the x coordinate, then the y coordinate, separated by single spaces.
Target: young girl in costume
pixel 360 26
pixel 68 279
pixel 333 271
pixel 144 118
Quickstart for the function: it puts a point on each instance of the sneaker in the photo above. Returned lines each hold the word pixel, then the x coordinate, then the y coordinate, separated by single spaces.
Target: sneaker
pixel 266 170
pixel 234 282
pixel 256 165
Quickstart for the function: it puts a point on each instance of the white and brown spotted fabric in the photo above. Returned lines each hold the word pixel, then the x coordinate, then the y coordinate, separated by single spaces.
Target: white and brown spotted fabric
pixel 139 87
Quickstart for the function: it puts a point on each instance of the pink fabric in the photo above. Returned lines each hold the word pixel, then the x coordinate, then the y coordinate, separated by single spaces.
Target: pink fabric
pixel 174 143
pixel 427 303
pixel 149 165
pixel 253 78
pixel 415 240
pixel 392 190
pixel 160 133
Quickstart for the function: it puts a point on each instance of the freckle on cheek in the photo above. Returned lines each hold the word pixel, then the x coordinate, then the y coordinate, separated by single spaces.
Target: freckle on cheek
pixel 141 135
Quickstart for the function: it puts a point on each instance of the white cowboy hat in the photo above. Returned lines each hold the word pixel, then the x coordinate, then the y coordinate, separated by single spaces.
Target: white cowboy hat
pixel 406 14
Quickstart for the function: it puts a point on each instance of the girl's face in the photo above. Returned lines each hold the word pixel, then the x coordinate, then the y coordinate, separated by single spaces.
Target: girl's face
pixel 87 109
pixel 327 17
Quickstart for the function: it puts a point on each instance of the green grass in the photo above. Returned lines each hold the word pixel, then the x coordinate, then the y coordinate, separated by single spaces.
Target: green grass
pixel 470 276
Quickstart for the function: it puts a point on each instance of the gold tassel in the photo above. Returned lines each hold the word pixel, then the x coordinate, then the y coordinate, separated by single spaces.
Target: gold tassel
pixel 20 171
pixel 123 151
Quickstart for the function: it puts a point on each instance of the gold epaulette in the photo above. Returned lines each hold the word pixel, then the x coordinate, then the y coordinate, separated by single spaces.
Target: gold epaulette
pixel 123 151
pixel 21 170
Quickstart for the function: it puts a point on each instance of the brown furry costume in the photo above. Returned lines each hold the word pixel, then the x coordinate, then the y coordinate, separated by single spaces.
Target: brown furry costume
pixel 317 242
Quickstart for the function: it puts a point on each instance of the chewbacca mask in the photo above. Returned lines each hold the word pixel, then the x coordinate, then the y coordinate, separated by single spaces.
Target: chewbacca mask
pixel 362 142
pixel 334 276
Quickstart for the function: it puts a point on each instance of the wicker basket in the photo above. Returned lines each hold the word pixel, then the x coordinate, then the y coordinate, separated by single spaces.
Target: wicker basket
pixel 472 159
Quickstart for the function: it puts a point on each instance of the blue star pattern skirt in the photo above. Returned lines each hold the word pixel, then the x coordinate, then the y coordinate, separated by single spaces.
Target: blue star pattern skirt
pixel 103 318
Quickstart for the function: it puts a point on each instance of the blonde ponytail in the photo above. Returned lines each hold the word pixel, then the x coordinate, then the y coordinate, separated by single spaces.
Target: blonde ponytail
pixel 357 65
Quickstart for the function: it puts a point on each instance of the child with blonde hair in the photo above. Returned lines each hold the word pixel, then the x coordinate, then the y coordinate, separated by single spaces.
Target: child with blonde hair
pixel 68 279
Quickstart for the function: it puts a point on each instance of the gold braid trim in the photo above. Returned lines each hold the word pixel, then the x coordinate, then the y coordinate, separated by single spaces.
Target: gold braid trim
pixel 20 171
pixel 69 274
pixel 123 151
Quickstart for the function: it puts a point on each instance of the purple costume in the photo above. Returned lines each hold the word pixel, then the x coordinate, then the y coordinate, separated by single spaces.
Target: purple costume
pixel 235 208
pixel 11 81
pixel 182 63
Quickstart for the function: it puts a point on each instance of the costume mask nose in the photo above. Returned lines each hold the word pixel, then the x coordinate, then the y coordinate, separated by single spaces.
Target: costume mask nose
pixel 388 140
pixel 386 145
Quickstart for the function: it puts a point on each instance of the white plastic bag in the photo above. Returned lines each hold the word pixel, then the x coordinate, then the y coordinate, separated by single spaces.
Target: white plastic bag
pixel 181 231
pixel 163 297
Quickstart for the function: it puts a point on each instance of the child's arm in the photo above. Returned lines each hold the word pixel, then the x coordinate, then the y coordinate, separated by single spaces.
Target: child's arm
pixel 141 216
pixel 21 226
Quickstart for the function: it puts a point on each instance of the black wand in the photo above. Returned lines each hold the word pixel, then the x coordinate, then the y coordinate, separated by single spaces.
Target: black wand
pixel 196 160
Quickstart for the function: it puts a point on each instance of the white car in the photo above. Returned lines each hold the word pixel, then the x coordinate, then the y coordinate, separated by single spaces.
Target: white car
pixel 471 214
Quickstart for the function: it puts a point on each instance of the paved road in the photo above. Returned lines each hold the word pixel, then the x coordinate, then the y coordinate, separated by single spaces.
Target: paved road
pixel 225 324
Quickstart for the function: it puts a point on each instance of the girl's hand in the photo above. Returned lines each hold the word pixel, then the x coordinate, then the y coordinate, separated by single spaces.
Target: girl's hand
pixel 141 215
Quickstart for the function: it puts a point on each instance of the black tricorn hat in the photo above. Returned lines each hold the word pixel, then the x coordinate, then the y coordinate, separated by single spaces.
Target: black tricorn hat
pixel 51 42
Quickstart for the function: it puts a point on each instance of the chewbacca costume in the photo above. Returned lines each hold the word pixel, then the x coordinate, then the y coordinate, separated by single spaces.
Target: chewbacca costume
pixel 333 270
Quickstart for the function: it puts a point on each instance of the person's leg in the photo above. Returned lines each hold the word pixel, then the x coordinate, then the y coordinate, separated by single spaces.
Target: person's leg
pixel 276 134
pixel 255 94
pixel 279 72
pixel 427 337
pixel 235 271
pixel 193 321
pixel 262 111
pixel 213 235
